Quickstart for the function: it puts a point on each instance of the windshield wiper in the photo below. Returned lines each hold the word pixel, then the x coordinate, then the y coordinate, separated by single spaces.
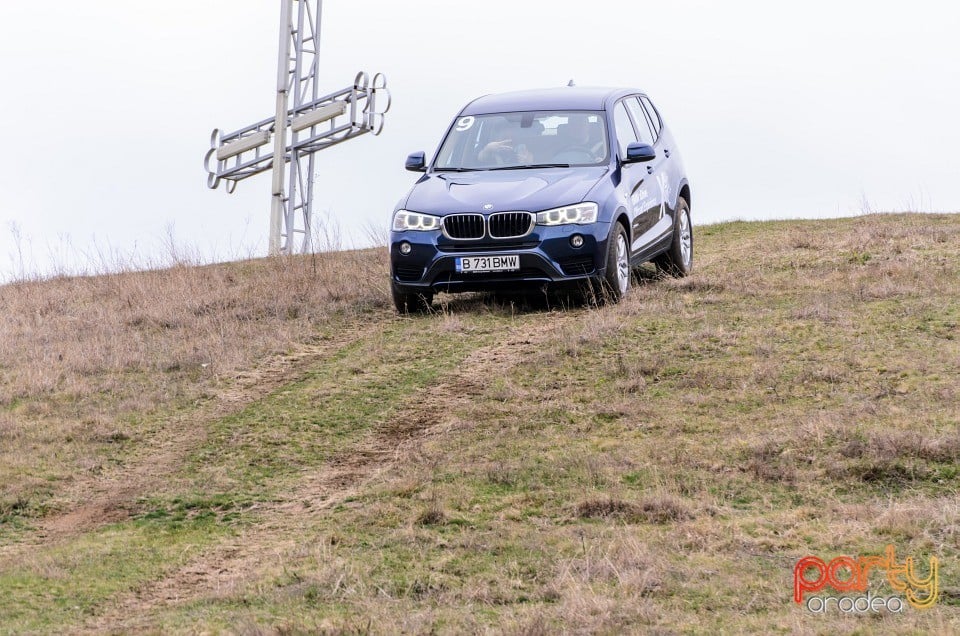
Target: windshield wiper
pixel 459 169
pixel 534 165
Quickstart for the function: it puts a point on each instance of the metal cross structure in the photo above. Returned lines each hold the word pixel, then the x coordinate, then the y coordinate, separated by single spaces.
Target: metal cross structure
pixel 312 123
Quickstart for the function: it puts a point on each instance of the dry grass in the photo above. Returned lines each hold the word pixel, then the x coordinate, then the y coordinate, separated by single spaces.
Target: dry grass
pixel 85 361
pixel 67 336
pixel 657 466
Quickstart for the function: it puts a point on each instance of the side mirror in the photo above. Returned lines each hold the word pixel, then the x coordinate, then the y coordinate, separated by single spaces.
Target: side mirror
pixel 638 153
pixel 417 162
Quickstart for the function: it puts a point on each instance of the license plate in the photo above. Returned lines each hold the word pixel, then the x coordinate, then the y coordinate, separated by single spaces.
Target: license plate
pixel 502 263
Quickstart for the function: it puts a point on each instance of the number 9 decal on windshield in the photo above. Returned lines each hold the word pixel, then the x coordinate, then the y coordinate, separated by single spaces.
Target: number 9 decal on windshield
pixel 465 124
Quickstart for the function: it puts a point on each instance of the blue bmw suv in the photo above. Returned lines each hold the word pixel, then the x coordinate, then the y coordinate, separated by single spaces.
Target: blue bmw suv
pixel 533 189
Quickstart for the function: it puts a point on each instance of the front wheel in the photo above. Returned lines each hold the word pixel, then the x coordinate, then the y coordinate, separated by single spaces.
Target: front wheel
pixel 678 260
pixel 616 280
pixel 415 303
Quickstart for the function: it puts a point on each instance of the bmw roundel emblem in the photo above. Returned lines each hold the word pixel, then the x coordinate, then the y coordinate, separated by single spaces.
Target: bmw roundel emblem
pixel 488 206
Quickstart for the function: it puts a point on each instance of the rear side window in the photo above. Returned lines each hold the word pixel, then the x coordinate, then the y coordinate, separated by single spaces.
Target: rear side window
pixel 646 135
pixel 653 114
pixel 626 135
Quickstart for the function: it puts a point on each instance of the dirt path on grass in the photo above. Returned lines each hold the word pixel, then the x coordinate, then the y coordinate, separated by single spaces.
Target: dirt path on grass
pixel 228 568
pixel 112 495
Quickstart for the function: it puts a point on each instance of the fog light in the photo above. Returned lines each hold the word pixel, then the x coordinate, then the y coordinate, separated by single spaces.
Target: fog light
pixel 576 240
pixel 405 248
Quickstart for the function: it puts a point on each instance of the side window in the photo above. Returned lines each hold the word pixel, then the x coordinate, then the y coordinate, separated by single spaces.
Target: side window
pixel 626 135
pixel 643 125
pixel 653 115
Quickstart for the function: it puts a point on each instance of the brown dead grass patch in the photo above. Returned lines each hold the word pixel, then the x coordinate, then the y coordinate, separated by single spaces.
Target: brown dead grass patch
pixel 624 561
pixel 771 461
pixel 73 335
pixel 885 446
pixel 660 509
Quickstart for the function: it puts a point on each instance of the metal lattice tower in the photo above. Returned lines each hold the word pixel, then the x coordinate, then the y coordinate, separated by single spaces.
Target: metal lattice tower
pixel 308 122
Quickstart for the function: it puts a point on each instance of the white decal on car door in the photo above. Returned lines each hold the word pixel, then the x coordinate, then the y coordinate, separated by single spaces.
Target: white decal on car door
pixel 664 180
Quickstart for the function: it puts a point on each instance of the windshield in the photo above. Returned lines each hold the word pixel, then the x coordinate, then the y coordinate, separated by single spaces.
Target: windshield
pixel 505 141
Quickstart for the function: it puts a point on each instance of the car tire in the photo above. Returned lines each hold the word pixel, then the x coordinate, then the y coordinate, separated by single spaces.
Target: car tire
pixel 677 261
pixel 616 279
pixel 415 303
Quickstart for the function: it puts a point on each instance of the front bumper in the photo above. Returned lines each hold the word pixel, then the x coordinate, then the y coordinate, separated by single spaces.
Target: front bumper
pixel 546 257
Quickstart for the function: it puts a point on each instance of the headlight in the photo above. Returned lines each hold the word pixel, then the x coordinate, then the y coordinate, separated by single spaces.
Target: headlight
pixel 406 220
pixel 580 214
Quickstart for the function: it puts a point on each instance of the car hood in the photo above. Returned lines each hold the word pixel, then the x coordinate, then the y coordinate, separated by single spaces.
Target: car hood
pixel 505 190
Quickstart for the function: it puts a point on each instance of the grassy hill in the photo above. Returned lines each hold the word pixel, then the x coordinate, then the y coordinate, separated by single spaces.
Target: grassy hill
pixel 265 447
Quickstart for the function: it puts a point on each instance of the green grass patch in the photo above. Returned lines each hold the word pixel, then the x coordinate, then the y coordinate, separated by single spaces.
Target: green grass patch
pixel 70 584
pixel 304 424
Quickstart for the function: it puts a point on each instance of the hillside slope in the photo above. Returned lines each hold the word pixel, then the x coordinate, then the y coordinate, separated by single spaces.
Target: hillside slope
pixel 265 447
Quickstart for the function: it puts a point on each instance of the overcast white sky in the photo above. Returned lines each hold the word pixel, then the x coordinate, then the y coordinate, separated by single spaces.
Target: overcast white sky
pixel 811 109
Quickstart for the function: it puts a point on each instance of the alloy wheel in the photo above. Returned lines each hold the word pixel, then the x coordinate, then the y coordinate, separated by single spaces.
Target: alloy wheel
pixel 623 264
pixel 686 239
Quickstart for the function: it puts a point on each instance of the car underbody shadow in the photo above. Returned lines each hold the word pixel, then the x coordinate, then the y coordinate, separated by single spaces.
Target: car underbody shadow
pixel 540 300
pixel 510 303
